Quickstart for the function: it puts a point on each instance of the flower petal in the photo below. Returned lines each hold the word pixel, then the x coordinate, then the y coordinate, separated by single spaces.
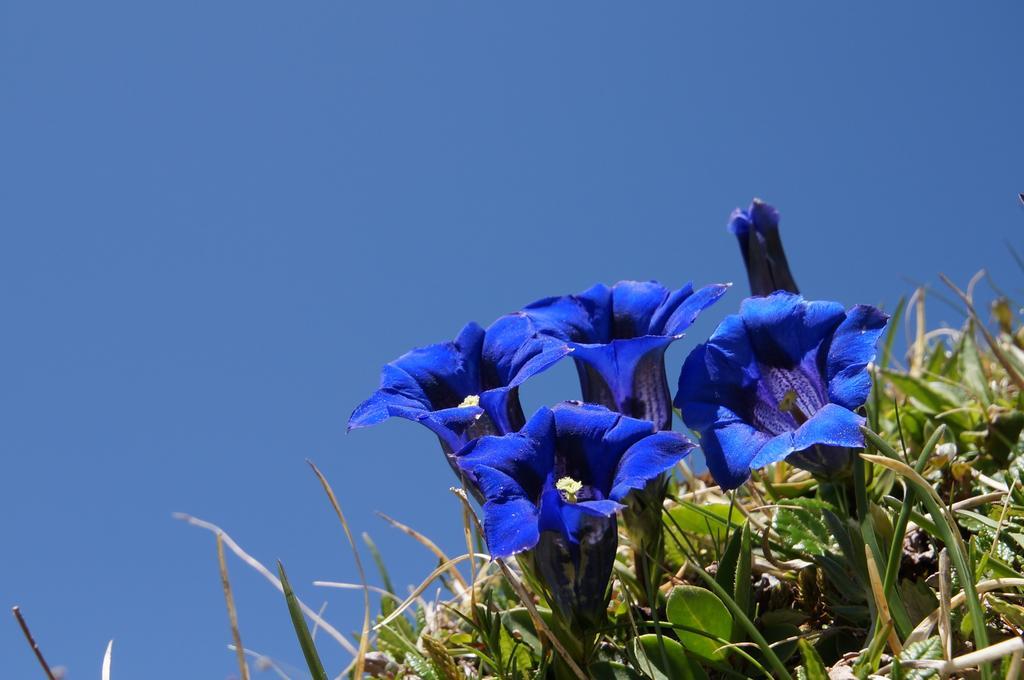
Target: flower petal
pixel 527 456
pixel 515 348
pixel 601 508
pixel 852 348
pixel 592 440
pixel 728 451
pixel 647 459
pixel 634 304
pixel 579 318
pixel 716 374
pixel 783 327
pixel 675 319
pixel 632 376
pixel 833 425
pixel 510 517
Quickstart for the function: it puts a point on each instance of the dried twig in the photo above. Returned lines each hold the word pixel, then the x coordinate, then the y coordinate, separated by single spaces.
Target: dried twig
pixel 229 600
pixel 265 573
pixel 32 642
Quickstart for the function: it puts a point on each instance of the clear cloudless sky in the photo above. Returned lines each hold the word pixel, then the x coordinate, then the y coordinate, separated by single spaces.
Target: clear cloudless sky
pixel 219 219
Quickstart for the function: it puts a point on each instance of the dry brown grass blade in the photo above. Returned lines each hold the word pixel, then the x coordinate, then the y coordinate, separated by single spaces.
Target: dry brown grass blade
pixel 32 642
pixel 997 351
pixel 878 592
pixel 918 348
pixel 945 597
pixel 426 583
pixel 426 543
pixel 1016 668
pixel 467 513
pixel 356 586
pixel 266 573
pixel 364 636
pixel 105 667
pixel 264 662
pixel 924 629
pixel 229 600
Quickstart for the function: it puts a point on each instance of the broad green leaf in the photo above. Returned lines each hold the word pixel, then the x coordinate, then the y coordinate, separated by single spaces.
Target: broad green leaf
pixel 918 599
pixel 703 521
pixel 691 608
pixel 518 621
pixel 925 649
pixel 971 372
pixel 1009 611
pixel 813 667
pixel 801 526
pixel 663 659
pixel 514 654
pixel 696 519
pixel 777 632
pixel 610 670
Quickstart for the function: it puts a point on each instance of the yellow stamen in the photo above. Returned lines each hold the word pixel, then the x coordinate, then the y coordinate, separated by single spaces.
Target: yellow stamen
pixel 788 401
pixel 471 400
pixel 569 488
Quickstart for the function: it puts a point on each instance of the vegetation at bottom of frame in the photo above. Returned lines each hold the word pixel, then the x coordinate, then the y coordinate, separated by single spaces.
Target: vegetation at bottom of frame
pixel 909 567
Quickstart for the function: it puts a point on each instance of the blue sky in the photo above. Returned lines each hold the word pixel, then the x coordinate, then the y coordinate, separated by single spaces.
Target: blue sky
pixel 220 219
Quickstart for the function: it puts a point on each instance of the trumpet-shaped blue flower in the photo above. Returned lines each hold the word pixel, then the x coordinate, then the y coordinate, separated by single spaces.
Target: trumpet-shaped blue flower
pixel 781 380
pixel 757 230
pixel 619 336
pixel 464 388
pixel 554 487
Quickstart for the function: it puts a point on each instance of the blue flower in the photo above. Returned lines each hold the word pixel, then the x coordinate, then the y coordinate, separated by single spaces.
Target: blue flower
pixel 465 388
pixel 619 336
pixel 553 489
pixel 781 380
pixel 757 230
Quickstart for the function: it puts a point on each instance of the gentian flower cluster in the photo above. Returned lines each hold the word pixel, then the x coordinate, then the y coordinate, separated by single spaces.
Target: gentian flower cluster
pixel 781 380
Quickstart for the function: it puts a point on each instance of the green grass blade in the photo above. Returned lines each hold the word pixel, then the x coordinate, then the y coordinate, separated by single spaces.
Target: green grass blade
pixel 316 668
pixel 379 561
pixel 892 567
pixel 948 534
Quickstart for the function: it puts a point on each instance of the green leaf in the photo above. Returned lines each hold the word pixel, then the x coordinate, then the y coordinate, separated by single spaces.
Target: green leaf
pixel 971 373
pixel 813 667
pixel 930 649
pixel 316 668
pixel 800 524
pixel 515 654
pixel 776 632
pixel 703 520
pixel 379 561
pixel 1009 611
pixel 932 397
pixel 424 669
pixel 691 608
pixel 518 621
pixel 726 574
pixel 918 598
pixel 610 670
pixel 743 586
pixel 663 659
